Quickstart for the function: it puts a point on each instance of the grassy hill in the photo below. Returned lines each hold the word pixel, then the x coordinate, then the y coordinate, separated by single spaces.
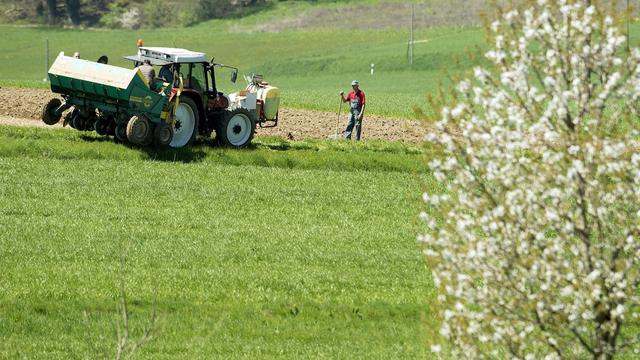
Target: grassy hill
pixel 310 66
pixel 311 61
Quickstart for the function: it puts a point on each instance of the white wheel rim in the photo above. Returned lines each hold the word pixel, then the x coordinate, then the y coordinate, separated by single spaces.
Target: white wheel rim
pixel 184 127
pixel 239 129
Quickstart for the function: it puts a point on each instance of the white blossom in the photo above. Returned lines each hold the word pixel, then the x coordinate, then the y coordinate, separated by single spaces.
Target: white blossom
pixel 534 246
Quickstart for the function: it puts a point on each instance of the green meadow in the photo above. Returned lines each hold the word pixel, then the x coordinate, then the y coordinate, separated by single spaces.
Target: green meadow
pixel 310 66
pixel 286 250
pixel 282 250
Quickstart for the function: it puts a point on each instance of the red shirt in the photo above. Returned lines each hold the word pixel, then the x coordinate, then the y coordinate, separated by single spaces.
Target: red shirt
pixel 359 96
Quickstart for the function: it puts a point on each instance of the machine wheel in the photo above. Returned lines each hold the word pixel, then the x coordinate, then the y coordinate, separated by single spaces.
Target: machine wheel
pixel 138 130
pixel 149 139
pixel 78 121
pixel 102 125
pixel 185 128
pixel 68 117
pixel 48 112
pixel 163 134
pixel 121 132
pixel 236 128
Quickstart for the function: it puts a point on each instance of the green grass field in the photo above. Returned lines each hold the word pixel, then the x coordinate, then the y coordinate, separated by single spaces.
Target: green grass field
pixel 311 66
pixel 283 250
pixel 262 253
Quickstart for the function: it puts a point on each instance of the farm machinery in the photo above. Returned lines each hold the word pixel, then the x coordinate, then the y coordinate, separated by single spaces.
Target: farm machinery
pixel 182 102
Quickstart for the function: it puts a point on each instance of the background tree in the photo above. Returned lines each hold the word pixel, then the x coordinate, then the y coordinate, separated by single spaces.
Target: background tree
pixel 535 246
pixel 52 11
pixel 73 10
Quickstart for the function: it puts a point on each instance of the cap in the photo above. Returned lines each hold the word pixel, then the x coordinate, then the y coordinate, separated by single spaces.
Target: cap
pixel 355 82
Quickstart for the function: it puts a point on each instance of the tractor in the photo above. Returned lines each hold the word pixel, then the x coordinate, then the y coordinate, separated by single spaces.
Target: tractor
pixel 180 103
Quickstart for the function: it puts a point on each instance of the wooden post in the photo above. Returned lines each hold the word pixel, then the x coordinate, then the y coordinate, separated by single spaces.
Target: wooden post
pixel 46 60
pixel 411 36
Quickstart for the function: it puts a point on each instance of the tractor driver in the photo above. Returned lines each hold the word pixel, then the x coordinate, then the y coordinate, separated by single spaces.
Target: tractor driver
pixel 166 74
pixel 356 98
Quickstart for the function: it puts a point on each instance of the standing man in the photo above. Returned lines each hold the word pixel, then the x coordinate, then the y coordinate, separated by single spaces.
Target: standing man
pixel 356 98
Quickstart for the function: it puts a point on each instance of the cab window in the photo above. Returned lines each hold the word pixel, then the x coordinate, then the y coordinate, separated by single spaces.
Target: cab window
pixel 197 77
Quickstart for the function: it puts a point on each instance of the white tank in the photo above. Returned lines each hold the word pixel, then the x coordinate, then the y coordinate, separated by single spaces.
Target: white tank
pixel 270 95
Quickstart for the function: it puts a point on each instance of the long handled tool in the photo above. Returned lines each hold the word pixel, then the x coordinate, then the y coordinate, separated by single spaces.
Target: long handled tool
pixel 338 119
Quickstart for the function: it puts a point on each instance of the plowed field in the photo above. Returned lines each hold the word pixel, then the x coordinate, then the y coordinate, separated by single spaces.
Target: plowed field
pixel 20 106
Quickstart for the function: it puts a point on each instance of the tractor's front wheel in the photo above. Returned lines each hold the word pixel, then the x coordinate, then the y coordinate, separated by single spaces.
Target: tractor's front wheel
pixel 49 115
pixel 236 128
pixel 185 127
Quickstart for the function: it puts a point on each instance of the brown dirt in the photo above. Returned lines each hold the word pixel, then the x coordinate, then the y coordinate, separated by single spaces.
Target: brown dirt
pixel 296 124
pixel 22 106
pixel 23 103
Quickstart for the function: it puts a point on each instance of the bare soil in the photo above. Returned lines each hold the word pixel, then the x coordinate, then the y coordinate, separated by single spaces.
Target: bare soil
pixel 22 107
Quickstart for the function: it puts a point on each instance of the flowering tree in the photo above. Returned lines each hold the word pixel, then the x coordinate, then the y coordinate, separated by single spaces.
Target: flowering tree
pixel 534 245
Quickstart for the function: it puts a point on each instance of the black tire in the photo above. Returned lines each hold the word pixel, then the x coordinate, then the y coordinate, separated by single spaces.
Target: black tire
pixel 138 130
pixel 78 121
pixel 111 127
pixel 120 132
pixel 90 121
pixel 102 126
pixel 236 128
pixel 149 139
pixel 162 134
pixel 188 108
pixel 48 112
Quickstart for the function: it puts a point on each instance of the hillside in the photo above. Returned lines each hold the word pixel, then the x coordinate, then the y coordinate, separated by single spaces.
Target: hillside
pixel 277 15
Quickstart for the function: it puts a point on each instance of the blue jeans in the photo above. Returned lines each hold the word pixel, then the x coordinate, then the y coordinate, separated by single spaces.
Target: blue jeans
pixel 353 121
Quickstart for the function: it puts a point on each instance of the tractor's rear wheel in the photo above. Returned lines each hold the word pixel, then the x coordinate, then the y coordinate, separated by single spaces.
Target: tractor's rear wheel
pixel 138 130
pixel 163 134
pixel 236 128
pixel 185 127
pixel 49 116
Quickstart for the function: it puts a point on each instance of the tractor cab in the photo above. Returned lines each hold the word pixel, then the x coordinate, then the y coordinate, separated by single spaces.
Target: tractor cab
pixel 185 70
